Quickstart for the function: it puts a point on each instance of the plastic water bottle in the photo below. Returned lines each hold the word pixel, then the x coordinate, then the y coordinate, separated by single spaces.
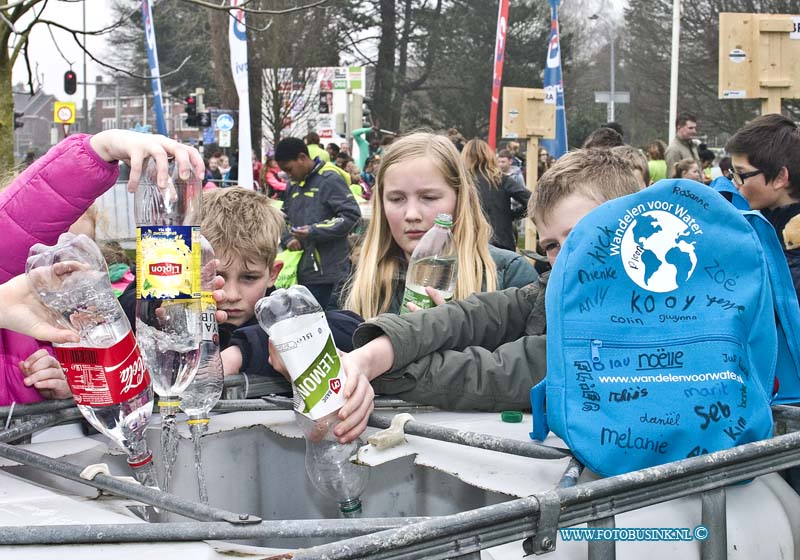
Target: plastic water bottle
pixel 204 391
pixel 168 293
pixel 297 327
pixel 105 370
pixel 434 263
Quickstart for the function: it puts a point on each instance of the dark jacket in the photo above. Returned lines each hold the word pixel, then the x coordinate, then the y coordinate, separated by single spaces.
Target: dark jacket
pixel 323 202
pixel 496 205
pixel 252 341
pixel 786 221
pixel 484 352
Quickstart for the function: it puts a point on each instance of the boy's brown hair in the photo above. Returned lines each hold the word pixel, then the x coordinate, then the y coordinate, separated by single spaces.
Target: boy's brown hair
pixel 242 224
pixel 636 158
pixel 597 174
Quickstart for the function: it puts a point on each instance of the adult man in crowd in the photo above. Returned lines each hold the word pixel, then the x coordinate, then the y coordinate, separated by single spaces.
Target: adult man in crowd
pixel 505 161
pixel 321 211
pixel 682 146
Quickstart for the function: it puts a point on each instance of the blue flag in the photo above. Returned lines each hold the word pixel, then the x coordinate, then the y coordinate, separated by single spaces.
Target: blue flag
pixel 152 57
pixel 554 87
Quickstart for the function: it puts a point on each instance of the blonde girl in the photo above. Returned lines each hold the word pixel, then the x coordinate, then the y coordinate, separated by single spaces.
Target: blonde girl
pixel 421 175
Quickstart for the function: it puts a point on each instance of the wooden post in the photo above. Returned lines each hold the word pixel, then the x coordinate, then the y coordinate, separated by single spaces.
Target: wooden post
pixel 531 178
pixel 526 115
pixel 772 103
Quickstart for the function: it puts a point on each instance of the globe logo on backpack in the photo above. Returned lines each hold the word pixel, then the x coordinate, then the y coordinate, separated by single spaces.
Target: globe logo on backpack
pixel 658 247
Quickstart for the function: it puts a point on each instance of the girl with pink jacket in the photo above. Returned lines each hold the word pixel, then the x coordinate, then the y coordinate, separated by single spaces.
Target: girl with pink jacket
pixel 42 203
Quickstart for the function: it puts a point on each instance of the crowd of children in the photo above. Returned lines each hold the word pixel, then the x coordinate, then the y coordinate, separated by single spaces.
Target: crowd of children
pixel 483 351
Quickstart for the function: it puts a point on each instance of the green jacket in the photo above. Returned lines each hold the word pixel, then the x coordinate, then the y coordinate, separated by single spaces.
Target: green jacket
pixel 484 352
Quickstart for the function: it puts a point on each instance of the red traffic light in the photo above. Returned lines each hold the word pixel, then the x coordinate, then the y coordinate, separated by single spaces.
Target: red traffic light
pixel 70 82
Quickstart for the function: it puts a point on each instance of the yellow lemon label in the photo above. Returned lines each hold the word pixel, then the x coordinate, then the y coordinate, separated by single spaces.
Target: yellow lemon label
pixel 168 262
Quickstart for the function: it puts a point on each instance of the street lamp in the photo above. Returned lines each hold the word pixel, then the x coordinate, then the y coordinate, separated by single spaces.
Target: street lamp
pixel 612 35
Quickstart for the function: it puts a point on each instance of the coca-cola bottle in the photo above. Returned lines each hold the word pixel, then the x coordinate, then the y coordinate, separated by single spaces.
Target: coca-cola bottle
pixel 105 370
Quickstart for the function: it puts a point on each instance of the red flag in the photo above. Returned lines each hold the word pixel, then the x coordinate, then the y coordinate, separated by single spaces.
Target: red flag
pixel 497 75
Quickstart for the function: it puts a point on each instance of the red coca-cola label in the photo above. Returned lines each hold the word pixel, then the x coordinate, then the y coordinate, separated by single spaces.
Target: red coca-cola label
pixel 104 376
pixel 166 269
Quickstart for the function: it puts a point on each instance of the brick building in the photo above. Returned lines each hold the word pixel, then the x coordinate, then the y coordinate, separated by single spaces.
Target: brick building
pixel 115 107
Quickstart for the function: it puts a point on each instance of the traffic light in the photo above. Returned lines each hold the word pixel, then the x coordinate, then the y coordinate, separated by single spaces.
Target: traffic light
pixel 204 120
pixel 191 110
pixel 17 122
pixel 70 82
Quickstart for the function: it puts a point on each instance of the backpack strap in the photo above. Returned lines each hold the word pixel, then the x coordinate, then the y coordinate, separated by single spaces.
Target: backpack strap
pixel 540 426
pixel 787 310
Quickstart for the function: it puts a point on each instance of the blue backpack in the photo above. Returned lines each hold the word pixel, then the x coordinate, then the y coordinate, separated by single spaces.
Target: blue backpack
pixel 662 339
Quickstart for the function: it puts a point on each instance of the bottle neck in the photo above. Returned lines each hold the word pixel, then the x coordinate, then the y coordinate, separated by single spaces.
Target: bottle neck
pixel 198 425
pixel 350 508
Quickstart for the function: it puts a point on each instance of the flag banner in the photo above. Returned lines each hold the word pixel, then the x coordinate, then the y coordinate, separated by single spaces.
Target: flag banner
pixel 497 74
pixel 554 88
pixel 237 38
pixel 152 57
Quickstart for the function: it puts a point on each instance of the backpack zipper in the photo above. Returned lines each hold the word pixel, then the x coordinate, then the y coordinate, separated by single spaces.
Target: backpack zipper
pixel 596 344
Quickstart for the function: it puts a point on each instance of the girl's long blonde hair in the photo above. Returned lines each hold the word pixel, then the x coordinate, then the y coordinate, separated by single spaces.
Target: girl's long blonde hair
pixel 480 160
pixel 372 286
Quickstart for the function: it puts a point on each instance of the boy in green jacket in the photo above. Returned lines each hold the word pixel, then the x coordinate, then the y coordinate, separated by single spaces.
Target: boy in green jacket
pixel 484 352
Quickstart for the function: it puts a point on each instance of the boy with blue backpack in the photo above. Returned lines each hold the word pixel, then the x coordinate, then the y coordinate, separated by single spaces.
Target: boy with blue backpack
pixel 662 341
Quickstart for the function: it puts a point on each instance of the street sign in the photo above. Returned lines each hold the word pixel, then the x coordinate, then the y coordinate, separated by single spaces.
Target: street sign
pixel 224 138
pixel 225 122
pixel 605 97
pixel 64 112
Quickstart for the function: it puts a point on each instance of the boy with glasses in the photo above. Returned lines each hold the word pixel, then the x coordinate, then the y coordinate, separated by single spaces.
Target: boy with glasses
pixel 765 159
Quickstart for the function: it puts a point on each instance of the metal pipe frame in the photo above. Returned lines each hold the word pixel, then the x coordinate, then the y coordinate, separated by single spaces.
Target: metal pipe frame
pixel 474 439
pixel 29 409
pixel 518 519
pixel 44 420
pixel 198 531
pixel 144 494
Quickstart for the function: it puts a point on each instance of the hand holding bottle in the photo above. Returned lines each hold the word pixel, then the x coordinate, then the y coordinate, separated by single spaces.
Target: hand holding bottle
pixel 134 147
pixel 24 313
pixel 436 297
pixel 43 372
pixel 359 403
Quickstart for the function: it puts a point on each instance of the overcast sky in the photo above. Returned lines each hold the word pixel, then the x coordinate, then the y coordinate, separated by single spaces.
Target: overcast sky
pixel 46 62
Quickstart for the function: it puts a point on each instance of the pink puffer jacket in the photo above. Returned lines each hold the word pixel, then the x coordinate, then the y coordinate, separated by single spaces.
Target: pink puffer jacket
pixel 38 206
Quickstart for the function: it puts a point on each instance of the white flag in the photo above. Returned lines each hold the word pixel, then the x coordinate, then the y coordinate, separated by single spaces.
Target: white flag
pixel 237 37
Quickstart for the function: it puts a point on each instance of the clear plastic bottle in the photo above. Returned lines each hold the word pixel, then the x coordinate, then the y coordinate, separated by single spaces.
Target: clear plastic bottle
pixel 299 331
pixel 168 294
pixel 204 391
pixel 434 263
pixel 105 370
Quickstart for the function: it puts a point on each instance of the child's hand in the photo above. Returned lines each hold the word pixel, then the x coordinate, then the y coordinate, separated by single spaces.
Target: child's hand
pixel 360 400
pixel 276 362
pixel 219 297
pixel 294 244
pixel 44 373
pixel 25 313
pixel 133 147
pixel 435 295
pixel 231 360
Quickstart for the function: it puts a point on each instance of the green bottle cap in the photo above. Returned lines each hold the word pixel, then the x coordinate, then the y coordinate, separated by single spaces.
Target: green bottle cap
pixel 444 220
pixel 511 416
